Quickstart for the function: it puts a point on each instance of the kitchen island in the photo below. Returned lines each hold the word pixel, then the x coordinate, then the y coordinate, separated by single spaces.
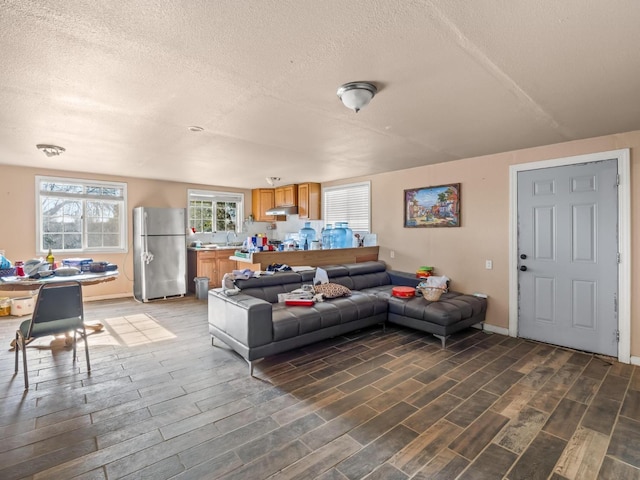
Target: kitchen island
pixel 312 258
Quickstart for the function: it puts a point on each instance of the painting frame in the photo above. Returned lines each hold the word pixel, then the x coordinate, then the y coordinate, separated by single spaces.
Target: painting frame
pixel 436 206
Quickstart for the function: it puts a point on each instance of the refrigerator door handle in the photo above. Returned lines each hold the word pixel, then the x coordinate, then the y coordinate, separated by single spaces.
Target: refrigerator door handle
pixel 146 256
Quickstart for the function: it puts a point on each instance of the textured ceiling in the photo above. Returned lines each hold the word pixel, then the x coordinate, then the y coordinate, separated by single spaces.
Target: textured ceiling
pixel 117 83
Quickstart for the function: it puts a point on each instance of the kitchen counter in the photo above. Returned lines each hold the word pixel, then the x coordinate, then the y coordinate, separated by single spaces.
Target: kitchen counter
pixel 208 248
pixel 313 258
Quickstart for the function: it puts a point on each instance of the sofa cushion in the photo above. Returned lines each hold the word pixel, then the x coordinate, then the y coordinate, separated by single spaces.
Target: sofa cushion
pixel 451 308
pixel 267 287
pixel 289 322
pixel 365 267
pixel 369 280
pixel 332 290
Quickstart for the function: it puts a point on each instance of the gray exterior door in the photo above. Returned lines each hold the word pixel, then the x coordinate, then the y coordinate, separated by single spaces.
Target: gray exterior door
pixel 568 256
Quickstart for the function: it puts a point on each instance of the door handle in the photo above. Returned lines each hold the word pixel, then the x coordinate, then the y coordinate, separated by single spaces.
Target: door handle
pixel 523 268
pixel 523 256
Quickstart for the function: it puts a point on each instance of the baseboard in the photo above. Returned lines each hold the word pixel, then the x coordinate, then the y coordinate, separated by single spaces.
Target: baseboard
pixel 493 329
pixel 635 360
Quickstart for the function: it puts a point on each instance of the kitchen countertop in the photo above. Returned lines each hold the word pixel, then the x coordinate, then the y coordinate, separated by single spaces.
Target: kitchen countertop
pixel 208 248
pixel 314 258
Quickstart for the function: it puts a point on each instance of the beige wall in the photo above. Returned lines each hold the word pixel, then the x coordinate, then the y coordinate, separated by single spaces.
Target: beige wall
pixel 17 207
pixel 460 253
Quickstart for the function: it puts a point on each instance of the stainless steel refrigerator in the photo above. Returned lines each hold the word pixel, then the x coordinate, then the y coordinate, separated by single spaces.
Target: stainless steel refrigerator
pixel 159 253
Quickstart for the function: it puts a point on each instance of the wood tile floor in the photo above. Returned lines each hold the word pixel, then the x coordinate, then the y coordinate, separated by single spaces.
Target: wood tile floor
pixel 161 402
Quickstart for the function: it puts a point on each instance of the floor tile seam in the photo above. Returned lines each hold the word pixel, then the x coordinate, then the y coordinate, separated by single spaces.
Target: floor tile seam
pixel 85 460
pixel 167 444
pixel 520 455
pixel 617 459
pixel 567 444
pixel 143 401
pixel 72 409
pixel 626 389
pixel 276 475
pixel 471 461
pixel 89 427
pixel 324 379
pixel 307 409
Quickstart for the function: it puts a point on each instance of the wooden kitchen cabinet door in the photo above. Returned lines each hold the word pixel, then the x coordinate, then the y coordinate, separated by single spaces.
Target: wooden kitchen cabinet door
pixel 225 266
pixel 262 199
pixel 309 201
pixel 286 196
pixel 207 267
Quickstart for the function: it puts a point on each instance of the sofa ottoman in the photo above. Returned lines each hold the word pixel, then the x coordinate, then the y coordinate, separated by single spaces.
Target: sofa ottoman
pixel 452 313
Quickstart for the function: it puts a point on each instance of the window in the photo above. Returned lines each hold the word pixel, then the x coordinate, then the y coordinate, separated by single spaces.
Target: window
pixel 80 215
pixel 215 211
pixel 348 203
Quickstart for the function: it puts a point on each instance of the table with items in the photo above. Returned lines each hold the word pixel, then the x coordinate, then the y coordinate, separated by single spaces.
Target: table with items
pixel 32 285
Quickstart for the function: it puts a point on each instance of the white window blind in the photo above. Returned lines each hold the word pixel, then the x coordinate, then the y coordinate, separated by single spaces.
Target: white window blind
pixel 348 203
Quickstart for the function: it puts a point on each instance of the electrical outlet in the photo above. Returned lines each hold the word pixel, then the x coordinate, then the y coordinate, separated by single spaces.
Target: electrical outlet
pixel 392 254
pixel 488 264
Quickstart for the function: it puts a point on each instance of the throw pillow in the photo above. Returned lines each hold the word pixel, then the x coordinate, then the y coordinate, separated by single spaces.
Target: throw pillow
pixel 332 290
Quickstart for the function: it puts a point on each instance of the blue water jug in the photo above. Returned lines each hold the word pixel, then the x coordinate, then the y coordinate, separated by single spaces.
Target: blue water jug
pixel 348 236
pixel 339 238
pixel 326 237
pixel 306 236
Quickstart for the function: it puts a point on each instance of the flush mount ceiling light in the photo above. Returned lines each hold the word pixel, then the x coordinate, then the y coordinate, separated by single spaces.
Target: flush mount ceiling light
pixel 356 95
pixel 50 150
pixel 272 180
pixel 195 128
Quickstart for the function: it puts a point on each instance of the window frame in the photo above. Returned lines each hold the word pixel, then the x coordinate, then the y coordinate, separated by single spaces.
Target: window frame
pixel 123 223
pixel 217 196
pixel 328 217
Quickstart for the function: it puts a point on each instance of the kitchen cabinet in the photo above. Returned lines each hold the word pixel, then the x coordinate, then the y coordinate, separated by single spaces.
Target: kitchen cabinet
pixel 286 196
pixel 262 199
pixel 208 263
pixel 309 201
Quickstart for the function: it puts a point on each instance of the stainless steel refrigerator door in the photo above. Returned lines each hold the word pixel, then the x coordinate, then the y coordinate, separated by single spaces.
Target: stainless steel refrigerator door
pixel 164 276
pixel 160 221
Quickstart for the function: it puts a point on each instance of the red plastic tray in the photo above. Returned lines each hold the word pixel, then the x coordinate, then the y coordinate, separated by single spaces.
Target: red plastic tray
pixel 299 303
pixel 403 292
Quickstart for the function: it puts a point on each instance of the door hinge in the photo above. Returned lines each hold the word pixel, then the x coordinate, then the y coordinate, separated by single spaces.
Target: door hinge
pixel 617 334
pixel 618 257
pixel 617 180
pixel 615 303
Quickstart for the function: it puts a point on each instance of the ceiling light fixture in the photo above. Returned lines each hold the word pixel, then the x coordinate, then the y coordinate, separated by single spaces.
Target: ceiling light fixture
pixel 195 128
pixel 272 180
pixel 50 150
pixel 356 95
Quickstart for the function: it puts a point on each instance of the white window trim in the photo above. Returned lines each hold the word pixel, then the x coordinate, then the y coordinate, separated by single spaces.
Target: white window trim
pixel 218 195
pixel 124 223
pixel 343 187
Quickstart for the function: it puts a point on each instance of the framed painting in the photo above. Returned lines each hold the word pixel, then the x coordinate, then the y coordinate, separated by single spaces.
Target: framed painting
pixel 430 207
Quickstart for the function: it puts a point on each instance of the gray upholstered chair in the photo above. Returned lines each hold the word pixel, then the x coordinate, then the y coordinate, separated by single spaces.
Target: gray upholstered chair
pixel 58 310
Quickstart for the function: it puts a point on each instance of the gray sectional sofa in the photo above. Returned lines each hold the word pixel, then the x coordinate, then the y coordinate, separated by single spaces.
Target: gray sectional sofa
pixel 255 325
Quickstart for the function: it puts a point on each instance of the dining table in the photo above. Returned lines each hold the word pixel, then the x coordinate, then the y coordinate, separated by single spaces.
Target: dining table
pixel 32 285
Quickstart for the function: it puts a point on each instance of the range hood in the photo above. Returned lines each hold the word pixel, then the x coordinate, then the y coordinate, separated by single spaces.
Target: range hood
pixel 282 211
